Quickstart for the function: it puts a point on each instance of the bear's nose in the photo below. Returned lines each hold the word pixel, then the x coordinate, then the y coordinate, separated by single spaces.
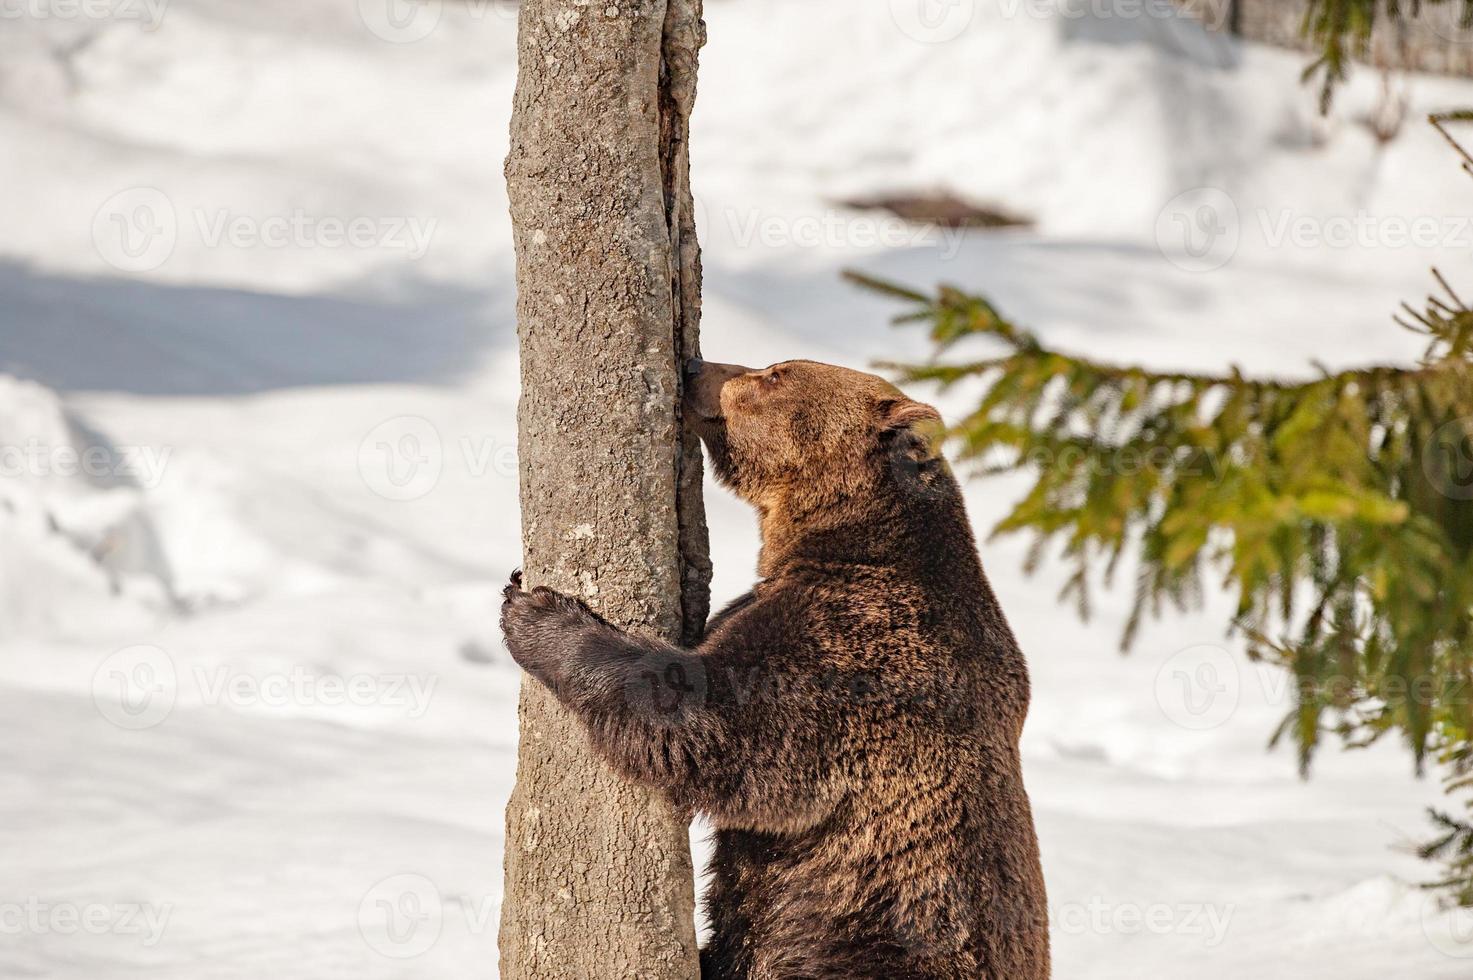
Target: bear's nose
pixel 703 381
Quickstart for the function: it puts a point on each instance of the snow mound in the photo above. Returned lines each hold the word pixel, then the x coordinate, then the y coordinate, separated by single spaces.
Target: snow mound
pixel 80 547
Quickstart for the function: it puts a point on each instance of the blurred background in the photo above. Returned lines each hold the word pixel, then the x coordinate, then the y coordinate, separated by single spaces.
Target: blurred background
pixel 258 487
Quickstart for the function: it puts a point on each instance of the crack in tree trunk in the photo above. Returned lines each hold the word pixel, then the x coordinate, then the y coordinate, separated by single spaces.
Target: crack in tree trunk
pixel 685 35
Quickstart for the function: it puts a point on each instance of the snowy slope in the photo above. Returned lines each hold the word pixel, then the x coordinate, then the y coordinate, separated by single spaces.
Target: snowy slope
pixel 259 486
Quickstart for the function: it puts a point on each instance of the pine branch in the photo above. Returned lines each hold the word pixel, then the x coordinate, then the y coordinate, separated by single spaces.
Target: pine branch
pixel 1342 30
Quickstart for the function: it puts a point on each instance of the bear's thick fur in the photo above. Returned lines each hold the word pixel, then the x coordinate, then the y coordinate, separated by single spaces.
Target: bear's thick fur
pixel 851 725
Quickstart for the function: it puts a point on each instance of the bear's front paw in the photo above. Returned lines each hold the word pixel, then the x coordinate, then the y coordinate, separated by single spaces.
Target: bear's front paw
pixel 542 628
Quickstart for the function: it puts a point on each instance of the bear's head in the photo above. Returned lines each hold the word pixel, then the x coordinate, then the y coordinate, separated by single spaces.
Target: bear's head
pixel 801 437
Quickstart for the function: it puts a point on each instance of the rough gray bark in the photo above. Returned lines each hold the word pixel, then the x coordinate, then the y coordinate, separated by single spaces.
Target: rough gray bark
pixel 599 881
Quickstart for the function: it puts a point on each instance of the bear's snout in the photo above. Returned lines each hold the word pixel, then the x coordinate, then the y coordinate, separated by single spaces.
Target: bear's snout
pixel 703 382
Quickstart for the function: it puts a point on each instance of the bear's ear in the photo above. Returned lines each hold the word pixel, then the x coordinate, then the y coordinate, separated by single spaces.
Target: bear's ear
pixel 910 428
pixel 903 413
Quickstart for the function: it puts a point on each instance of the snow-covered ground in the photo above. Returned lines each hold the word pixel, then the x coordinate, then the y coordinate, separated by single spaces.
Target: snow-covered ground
pixel 257 384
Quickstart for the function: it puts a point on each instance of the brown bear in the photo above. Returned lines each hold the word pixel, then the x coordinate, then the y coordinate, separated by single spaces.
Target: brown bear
pixel 850 726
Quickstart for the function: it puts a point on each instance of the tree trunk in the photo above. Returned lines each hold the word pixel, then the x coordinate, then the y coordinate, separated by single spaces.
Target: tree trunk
pixel 599 882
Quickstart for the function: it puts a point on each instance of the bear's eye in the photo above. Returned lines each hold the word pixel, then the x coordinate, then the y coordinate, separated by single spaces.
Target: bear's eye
pixel 771 378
